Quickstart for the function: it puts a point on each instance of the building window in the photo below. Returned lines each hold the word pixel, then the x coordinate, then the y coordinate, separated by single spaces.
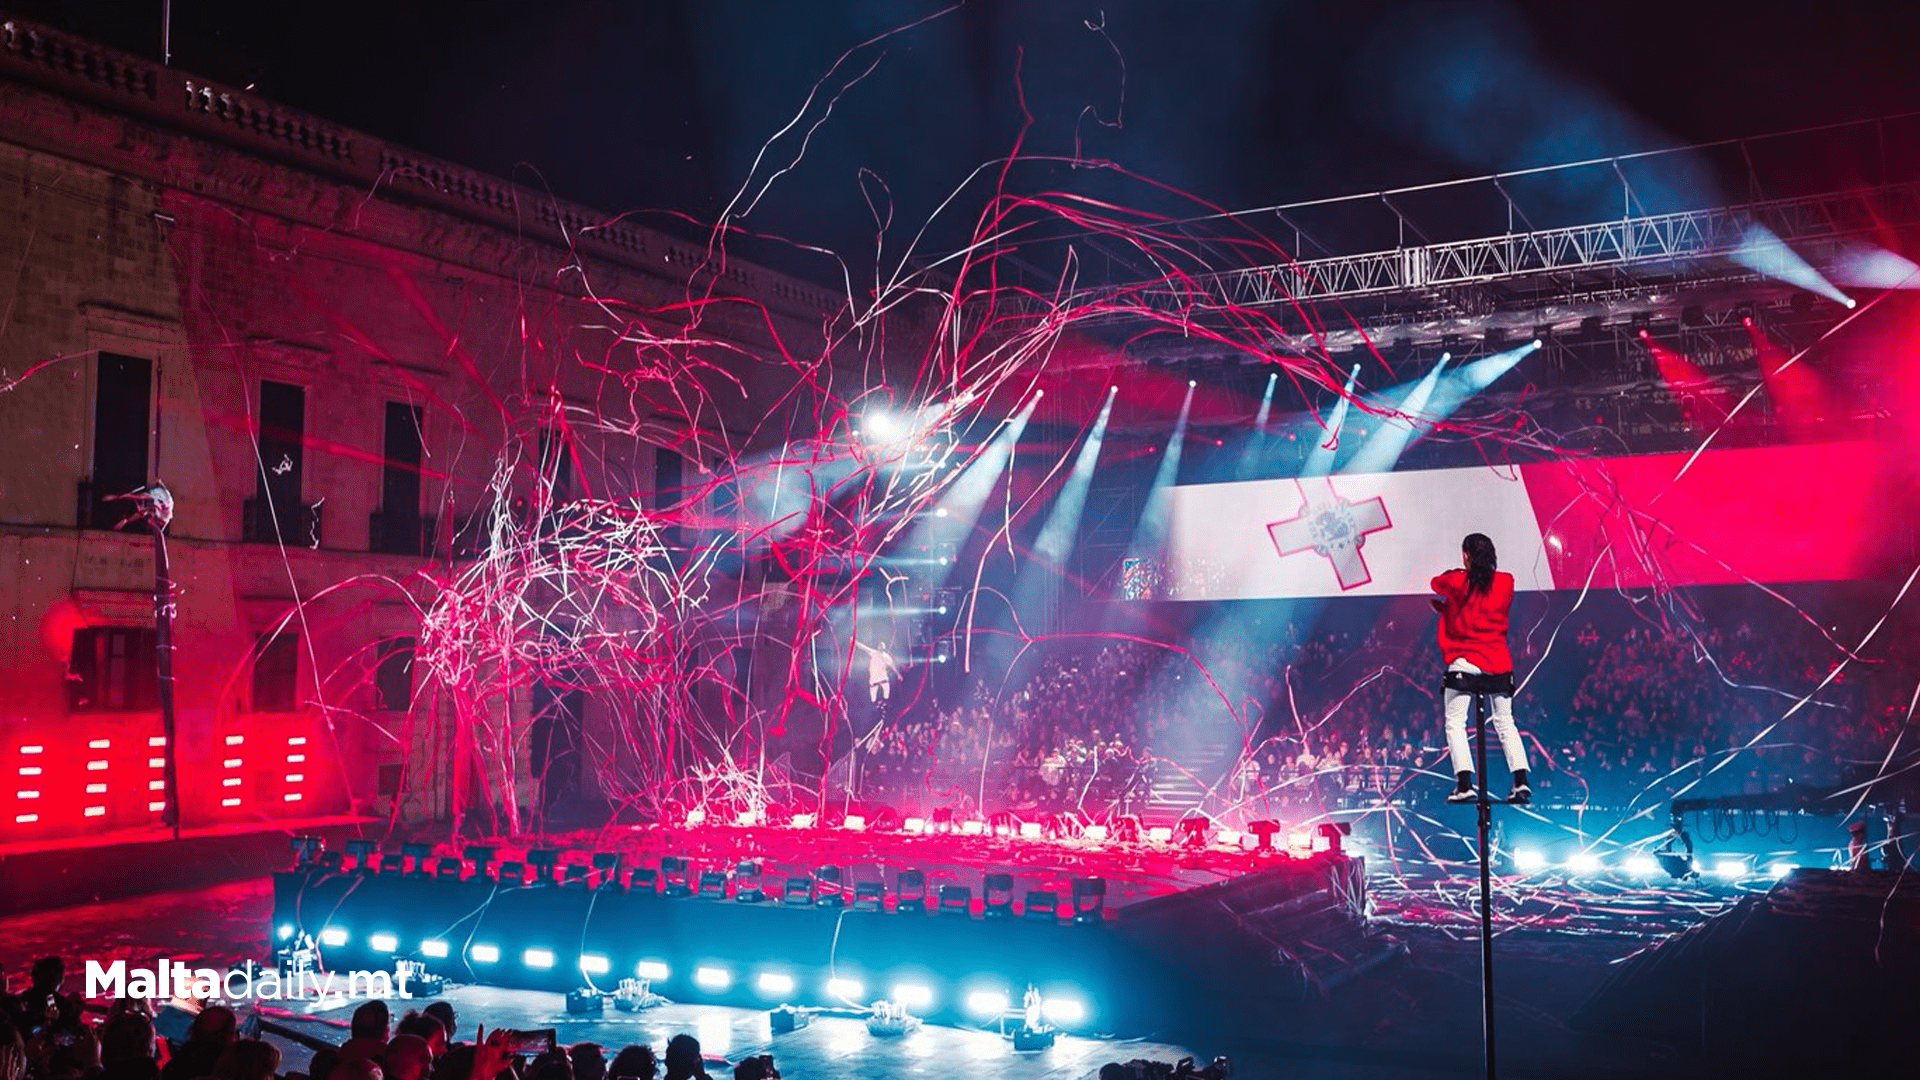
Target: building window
pixel 396 527
pixel 122 435
pixel 277 511
pixel 276 673
pixel 393 675
pixel 113 669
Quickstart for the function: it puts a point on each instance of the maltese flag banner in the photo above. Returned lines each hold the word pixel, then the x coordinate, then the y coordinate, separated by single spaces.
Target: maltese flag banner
pixel 1784 513
pixel 1346 535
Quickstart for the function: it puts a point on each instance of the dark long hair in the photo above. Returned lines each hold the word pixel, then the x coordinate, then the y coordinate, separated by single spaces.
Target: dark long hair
pixel 1481 562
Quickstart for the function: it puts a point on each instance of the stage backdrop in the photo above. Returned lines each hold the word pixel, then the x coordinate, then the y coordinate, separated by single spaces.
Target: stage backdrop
pixel 1789 513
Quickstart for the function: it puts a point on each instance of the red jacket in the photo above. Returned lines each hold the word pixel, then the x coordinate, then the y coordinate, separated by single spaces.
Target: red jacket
pixel 1474 628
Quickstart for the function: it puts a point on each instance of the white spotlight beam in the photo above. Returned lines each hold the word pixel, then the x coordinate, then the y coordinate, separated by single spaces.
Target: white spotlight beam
pixel 1383 450
pixel 1764 253
pixel 1256 449
pixel 1320 460
pixel 1875 268
pixel 1056 536
pixel 968 495
pixel 1150 535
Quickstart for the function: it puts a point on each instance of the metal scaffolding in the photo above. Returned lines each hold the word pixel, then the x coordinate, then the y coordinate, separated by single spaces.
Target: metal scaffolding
pixel 1649 241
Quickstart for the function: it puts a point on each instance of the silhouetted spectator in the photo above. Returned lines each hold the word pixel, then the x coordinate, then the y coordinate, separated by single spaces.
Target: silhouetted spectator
pixel 408 1057
pixel 443 1012
pixel 635 1062
pixel 369 1033
pixel 126 1048
pixel 683 1059
pixel 588 1061
pixel 358 1069
pixel 13 1052
pixel 426 1027
pixel 213 1031
pixel 551 1065
pixel 323 1063
pixel 757 1067
pixel 248 1059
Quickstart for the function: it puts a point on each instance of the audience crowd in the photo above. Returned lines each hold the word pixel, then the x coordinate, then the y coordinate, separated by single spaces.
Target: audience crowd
pixel 1269 720
pixel 47 1033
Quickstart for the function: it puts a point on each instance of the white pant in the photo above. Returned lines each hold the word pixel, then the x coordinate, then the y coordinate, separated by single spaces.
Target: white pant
pixel 1459 704
pixel 878 690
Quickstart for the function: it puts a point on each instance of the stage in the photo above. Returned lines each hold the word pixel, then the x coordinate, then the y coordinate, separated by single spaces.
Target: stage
pixel 1416 1019
pixel 1118 937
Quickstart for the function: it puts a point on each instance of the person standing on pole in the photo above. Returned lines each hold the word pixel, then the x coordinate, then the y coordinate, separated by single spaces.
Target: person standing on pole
pixel 1473 603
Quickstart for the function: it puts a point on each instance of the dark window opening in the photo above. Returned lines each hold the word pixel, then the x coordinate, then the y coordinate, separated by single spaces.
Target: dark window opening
pixel 276 673
pixel 278 511
pixel 113 669
pixel 397 527
pixel 122 436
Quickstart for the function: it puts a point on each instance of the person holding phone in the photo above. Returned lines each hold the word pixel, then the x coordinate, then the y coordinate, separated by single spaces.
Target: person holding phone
pixel 1473 601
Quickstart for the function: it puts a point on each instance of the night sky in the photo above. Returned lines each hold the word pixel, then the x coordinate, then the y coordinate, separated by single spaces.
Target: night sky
pixel 663 106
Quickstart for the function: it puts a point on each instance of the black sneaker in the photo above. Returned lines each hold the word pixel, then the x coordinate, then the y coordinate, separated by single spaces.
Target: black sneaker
pixel 1462 794
pixel 1521 794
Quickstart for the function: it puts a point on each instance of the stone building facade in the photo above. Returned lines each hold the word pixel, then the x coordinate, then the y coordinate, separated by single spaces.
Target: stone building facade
pixel 324 346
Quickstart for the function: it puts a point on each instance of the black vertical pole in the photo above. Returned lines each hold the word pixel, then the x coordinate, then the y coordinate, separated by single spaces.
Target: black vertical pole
pixel 163 659
pixel 1480 706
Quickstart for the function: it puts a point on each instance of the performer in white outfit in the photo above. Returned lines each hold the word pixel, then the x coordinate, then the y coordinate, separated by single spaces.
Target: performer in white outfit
pixel 881 669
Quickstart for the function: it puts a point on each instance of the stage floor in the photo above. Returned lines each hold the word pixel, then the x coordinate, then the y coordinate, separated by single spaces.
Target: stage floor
pixel 1415 1018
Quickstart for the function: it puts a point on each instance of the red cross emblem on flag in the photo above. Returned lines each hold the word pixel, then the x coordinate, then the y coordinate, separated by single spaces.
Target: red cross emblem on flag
pixel 1332 527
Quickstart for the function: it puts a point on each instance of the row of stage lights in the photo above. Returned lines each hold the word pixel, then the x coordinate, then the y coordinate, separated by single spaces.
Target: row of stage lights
pixel 675 878
pixel 981 998
pixel 1192 831
pixel 1588 864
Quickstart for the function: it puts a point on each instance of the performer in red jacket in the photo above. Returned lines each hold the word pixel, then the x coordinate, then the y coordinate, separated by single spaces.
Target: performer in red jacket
pixel 1473 604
